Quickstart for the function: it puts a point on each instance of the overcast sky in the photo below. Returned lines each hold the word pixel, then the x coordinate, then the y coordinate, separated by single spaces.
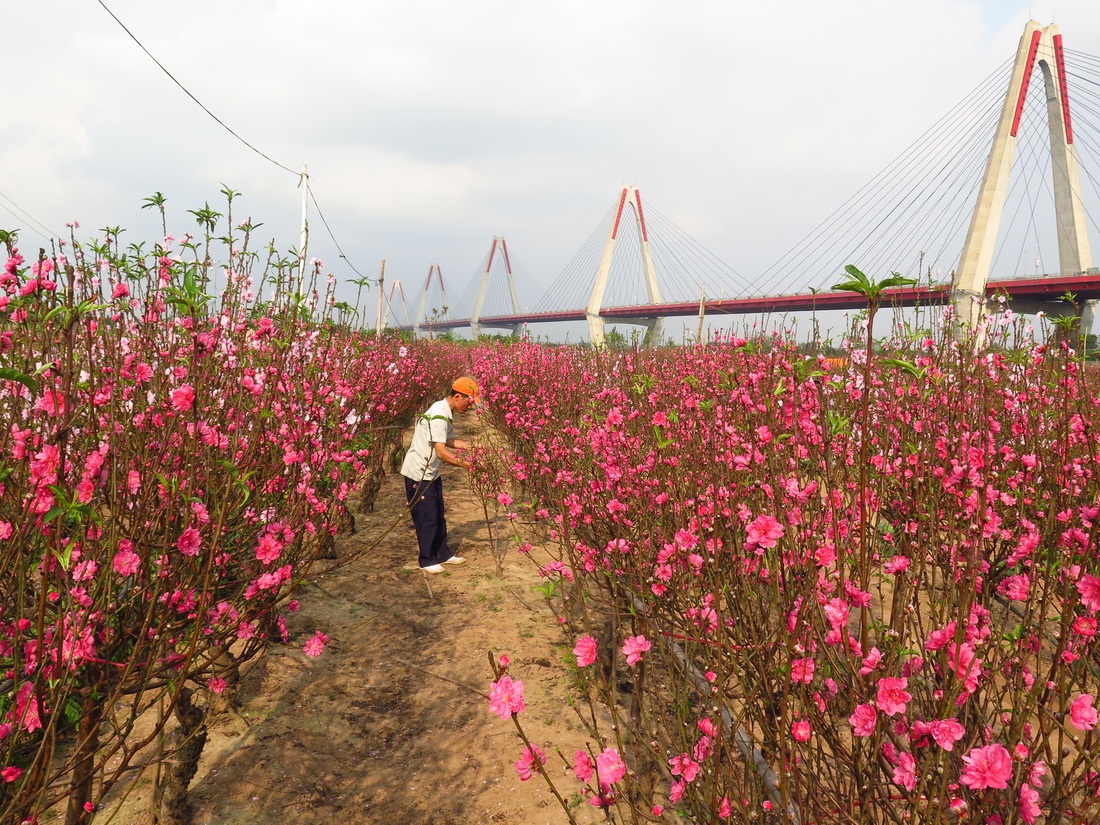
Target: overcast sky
pixel 430 127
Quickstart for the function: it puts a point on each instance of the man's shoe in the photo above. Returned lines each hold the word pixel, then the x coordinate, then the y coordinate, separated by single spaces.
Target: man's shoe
pixel 455 560
pixel 433 568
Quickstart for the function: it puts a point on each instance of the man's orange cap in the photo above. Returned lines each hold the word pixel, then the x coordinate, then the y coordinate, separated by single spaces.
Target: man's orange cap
pixel 466 386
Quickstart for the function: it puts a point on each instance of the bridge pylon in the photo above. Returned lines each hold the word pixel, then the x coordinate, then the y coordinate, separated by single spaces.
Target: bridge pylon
pixel 1043 46
pixel 398 289
pixel 432 270
pixel 483 289
pixel 629 195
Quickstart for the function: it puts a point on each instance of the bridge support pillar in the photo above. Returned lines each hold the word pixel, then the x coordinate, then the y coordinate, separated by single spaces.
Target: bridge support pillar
pixel 432 270
pixel 483 289
pixel 1085 312
pixel 1088 317
pixel 655 332
pixel 1043 46
pixel 628 195
pixel 597 335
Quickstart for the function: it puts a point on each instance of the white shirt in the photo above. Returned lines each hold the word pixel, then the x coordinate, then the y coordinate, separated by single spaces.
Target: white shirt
pixel 434 426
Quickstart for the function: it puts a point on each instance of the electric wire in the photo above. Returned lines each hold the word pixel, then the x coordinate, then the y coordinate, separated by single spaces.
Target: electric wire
pixel 328 229
pixel 26 216
pixel 222 123
pixel 187 92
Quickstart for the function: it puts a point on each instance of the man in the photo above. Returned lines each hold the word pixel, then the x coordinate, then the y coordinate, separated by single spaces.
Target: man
pixel 434 441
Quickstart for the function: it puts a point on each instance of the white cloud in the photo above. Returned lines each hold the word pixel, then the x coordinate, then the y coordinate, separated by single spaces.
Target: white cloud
pixel 429 126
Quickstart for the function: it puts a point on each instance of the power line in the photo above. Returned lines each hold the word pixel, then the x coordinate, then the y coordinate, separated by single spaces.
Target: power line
pixel 221 123
pixel 321 215
pixel 188 93
pixel 27 216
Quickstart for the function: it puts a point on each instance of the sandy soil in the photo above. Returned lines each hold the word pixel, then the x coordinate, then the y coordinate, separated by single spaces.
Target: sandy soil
pixel 390 724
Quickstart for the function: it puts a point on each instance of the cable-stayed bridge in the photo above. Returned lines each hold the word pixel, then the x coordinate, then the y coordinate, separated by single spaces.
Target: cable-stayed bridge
pixel 997 197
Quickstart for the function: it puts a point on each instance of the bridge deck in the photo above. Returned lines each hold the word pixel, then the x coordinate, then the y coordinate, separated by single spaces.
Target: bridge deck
pixel 1047 288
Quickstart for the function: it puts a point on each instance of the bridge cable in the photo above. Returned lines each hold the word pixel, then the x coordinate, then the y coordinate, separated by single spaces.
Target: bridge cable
pixel 898 169
pixel 564 287
pixel 907 167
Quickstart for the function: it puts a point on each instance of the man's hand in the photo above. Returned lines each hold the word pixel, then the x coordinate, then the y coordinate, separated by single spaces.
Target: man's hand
pixel 445 455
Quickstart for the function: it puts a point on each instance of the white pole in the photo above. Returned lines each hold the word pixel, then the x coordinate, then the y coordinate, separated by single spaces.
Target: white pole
pixel 304 183
pixel 381 319
pixel 702 312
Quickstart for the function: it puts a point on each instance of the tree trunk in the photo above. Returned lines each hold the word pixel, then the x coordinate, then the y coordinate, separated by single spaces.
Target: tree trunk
pixel 188 742
pixel 80 788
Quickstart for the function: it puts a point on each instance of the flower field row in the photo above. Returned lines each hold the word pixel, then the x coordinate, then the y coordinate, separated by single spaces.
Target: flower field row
pixel 836 593
pixel 171 462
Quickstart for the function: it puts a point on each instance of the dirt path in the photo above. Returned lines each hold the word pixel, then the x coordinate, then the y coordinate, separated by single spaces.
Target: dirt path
pixel 363 734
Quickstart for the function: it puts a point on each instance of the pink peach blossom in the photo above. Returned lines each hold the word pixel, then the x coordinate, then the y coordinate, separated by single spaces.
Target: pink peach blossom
pixel 892 696
pixel 189 542
pixel 316 645
pixel 870 662
pixel 684 766
pixel 1081 712
pixel 585 650
pixel 610 766
pixel 1089 588
pixel 1029 804
pixel 582 765
pixel 764 531
pixel 987 767
pixel 182 398
pixel 964 664
pixel 905 773
pixel 863 720
pixel 801 730
pixel 802 670
pixel 528 764
pixel 506 697
pixel 126 562
pixel 634 647
pixel 947 732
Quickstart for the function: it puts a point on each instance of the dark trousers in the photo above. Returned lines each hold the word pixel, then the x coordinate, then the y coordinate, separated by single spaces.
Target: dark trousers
pixel 425 500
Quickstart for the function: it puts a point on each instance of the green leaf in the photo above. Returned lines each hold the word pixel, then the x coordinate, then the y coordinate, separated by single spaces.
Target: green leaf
pixel 857 274
pixel 20 377
pixel 868 288
pixel 859 282
pixel 65 557
pixel 548 589
pixel 905 366
pixel 896 280
pixel 662 442
pixel 837 422
pixel 53 513
pixel 851 286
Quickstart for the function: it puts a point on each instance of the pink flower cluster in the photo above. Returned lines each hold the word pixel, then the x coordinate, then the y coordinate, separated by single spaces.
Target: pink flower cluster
pixel 919 528
pixel 145 490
